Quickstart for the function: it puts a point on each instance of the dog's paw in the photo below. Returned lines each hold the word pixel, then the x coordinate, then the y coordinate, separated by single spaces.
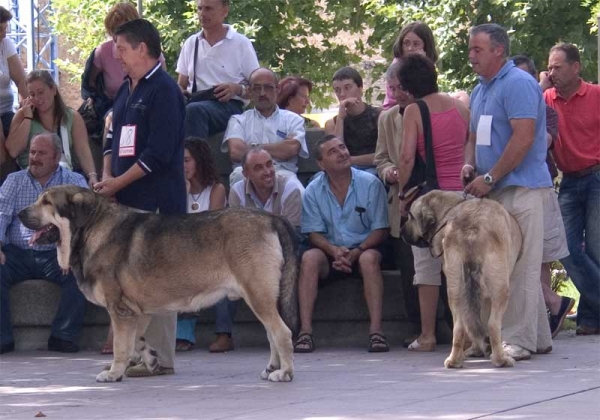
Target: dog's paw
pixel 504 361
pixel 107 376
pixel 280 376
pixel 450 363
pixel 265 373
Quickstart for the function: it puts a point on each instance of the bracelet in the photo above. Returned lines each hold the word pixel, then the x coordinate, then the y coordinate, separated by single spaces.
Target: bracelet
pixel 28 118
pixel 92 173
pixel 401 196
pixel 469 165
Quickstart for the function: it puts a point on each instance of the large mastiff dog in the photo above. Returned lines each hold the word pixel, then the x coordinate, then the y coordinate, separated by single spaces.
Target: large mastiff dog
pixel 138 264
pixel 480 243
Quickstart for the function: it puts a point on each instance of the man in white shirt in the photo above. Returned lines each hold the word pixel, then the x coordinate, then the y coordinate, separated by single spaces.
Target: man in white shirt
pixel 216 57
pixel 278 131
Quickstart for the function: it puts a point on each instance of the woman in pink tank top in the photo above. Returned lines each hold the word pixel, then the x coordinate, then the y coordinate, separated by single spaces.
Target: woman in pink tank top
pixel 449 128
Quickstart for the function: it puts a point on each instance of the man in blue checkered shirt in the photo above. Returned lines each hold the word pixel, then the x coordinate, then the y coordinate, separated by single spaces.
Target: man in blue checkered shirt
pixel 20 262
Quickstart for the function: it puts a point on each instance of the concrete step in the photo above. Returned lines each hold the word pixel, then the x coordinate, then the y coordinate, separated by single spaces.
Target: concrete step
pixel 341 317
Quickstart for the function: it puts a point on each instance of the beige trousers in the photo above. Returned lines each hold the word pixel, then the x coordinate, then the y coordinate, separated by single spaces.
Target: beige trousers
pixel 160 335
pixel 525 322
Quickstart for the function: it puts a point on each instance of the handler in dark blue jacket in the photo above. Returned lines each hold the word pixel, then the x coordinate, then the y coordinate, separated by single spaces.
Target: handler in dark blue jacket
pixel 143 155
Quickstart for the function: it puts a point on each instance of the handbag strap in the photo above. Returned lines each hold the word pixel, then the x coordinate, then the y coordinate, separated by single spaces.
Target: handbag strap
pixel 194 87
pixel 430 172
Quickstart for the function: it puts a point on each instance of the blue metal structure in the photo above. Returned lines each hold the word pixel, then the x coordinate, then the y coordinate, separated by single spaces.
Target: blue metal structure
pixel 31 31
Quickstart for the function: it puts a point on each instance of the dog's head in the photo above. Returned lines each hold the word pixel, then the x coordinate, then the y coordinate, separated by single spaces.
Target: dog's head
pixel 56 214
pixel 426 215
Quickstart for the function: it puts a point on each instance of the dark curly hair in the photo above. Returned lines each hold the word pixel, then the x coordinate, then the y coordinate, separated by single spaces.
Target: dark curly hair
pixel 288 88
pixel 418 76
pixel 206 169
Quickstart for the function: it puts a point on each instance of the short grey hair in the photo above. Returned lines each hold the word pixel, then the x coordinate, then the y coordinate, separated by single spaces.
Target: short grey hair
pixel 251 151
pixel 54 138
pixel 498 35
pixel 393 70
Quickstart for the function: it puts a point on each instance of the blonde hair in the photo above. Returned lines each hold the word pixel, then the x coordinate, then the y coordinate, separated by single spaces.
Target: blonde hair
pixel 119 14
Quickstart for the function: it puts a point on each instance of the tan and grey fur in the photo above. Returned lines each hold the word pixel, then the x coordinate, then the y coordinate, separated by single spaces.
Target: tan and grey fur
pixel 138 264
pixel 480 243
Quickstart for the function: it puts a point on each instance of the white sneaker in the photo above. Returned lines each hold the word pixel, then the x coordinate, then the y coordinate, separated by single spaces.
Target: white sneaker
pixel 516 352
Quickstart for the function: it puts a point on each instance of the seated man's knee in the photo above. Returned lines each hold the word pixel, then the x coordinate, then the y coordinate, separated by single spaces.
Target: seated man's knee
pixel 370 259
pixel 312 261
pixel 196 110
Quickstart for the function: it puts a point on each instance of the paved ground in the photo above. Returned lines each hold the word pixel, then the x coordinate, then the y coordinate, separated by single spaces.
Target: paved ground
pixel 330 384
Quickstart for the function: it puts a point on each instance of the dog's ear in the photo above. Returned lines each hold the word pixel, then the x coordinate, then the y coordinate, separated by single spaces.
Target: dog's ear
pixel 82 207
pixel 411 195
pixel 427 221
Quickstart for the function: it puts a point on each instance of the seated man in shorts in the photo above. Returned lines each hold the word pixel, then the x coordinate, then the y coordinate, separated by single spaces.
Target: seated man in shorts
pixel 344 213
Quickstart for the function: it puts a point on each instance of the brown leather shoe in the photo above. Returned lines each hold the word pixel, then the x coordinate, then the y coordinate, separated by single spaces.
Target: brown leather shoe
pixel 222 344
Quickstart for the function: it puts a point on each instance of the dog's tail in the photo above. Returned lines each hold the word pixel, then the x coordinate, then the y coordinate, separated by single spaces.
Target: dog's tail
pixel 472 298
pixel 288 287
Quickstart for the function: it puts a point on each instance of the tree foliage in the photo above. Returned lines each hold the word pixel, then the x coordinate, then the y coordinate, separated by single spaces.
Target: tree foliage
pixel 315 38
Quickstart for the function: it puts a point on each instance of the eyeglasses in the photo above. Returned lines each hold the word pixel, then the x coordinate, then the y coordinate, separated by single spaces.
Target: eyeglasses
pixel 257 89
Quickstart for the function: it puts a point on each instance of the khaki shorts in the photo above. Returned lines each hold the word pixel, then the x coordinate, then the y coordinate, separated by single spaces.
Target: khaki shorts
pixel 428 270
pixel 555 240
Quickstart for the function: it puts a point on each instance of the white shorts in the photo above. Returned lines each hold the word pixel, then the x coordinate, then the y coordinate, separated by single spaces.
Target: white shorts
pixel 555 239
pixel 428 270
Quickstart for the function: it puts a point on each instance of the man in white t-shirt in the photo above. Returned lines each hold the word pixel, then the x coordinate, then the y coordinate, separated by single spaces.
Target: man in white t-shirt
pixel 224 61
pixel 261 188
pixel 278 131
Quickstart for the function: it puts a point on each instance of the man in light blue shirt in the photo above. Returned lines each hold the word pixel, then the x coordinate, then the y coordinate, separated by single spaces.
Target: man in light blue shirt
pixel 20 262
pixel 507 150
pixel 344 212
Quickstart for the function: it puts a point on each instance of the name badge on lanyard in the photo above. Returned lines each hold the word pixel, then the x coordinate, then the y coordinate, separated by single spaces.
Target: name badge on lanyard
pixel 484 131
pixel 127 141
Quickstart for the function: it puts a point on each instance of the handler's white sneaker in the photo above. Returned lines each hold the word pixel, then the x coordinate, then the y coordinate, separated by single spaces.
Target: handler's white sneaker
pixel 516 352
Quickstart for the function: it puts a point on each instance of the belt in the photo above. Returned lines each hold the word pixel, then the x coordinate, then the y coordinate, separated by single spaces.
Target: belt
pixel 583 172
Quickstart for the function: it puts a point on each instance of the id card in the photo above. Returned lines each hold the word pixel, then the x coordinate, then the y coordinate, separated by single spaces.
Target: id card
pixel 484 131
pixel 127 141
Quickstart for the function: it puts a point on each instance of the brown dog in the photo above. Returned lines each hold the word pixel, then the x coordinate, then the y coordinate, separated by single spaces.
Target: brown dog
pixel 480 243
pixel 136 264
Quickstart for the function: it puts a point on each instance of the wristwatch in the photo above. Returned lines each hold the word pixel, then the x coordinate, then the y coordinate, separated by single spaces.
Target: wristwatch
pixel 243 93
pixel 488 179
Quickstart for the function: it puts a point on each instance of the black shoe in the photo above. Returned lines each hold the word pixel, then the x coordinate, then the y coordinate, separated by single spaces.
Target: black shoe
pixel 7 348
pixel 63 346
pixel 556 321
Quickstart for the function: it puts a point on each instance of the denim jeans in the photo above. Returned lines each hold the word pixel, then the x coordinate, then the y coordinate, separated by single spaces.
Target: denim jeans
pixel 25 264
pixel 205 118
pixel 225 310
pixel 579 200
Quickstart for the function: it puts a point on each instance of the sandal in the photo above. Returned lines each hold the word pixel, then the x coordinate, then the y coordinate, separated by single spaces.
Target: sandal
pixel 107 348
pixel 422 347
pixel 378 343
pixel 304 343
pixel 183 345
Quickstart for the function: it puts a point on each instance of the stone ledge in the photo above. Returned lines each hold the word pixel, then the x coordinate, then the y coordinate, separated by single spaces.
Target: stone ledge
pixel 33 306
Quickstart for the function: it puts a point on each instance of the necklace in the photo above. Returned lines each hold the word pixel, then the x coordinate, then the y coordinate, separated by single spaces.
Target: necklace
pixel 195 205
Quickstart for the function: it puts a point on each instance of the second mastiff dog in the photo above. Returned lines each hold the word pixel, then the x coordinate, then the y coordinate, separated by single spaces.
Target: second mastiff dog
pixel 479 242
pixel 139 264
